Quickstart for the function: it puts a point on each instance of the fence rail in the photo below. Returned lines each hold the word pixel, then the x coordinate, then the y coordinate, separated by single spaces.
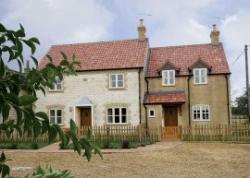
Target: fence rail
pixel 234 133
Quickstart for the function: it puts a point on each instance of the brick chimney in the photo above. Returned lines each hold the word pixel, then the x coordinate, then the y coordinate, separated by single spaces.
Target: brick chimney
pixel 215 35
pixel 141 30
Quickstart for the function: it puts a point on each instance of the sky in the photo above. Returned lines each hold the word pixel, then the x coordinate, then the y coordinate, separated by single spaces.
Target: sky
pixel 167 22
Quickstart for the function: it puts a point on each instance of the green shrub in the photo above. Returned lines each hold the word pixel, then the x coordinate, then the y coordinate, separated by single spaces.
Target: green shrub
pixel 13 146
pixel 125 144
pixel 115 145
pixel 43 172
pixel 34 145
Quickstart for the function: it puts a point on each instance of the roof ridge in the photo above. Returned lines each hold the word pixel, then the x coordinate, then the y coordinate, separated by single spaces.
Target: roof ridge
pixel 187 45
pixel 97 42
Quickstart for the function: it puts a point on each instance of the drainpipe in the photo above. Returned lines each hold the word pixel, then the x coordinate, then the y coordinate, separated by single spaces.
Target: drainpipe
pixel 228 100
pixel 146 115
pixel 139 80
pixel 189 98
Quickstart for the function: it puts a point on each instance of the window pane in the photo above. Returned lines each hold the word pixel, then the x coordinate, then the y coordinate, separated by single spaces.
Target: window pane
pixel 52 120
pixel 124 119
pixel 120 77
pixel 59 86
pixel 120 83
pixel 117 119
pixel 124 111
pixel 113 84
pixel 59 120
pixel 197 76
pixel 113 81
pixel 59 112
pixel 110 111
pixel 152 112
pixel 117 111
pixel 52 113
pixel 110 119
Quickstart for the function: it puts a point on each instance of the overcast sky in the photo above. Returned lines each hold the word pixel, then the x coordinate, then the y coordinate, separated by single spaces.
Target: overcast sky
pixel 168 23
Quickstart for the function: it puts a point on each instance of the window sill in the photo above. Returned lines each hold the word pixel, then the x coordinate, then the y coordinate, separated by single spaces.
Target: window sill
pixel 55 91
pixel 202 120
pixel 117 124
pixel 112 89
pixel 152 117
pixel 200 83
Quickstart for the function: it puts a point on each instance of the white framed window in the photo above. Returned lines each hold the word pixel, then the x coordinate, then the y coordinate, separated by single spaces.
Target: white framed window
pixel 168 77
pixel 55 116
pixel 201 112
pixel 58 85
pixel 200 75
pixel 151 112
pixel 117 115
pixel 116 81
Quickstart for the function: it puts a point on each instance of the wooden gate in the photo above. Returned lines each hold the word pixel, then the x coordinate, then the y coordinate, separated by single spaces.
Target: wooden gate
pixel 171 133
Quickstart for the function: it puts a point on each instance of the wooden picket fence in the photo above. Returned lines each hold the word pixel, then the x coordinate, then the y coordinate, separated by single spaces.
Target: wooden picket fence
pixel 232 133
pixel 16 137
pixel 121 133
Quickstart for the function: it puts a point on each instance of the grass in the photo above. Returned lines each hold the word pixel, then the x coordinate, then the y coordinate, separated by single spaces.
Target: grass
pixel 23 145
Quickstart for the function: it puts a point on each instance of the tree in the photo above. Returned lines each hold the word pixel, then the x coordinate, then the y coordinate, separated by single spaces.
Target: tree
pixel 18 91
pixel 241 105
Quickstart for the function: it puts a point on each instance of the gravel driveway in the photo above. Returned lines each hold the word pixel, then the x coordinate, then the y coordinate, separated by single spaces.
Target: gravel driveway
pixel 179 160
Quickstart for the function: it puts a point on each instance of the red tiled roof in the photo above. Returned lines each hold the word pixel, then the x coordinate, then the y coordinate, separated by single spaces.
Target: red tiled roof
pixel 185 56
pixel 102 55
pixel 167 97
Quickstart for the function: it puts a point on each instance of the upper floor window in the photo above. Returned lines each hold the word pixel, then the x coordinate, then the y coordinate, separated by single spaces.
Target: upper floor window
pixel 200 76
pixel 168 77
pixel 117 115
pixel 116 81
pixel 201 113
pixel 55 116
pixel 58 85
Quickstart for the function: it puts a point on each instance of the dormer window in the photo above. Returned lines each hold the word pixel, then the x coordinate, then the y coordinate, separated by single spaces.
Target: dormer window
pixel 168 77
pixel 200 76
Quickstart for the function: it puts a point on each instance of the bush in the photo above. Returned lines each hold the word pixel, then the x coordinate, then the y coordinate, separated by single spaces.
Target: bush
pixel 115 145
pixel 13 146
pixel 125 144
pixel 35 145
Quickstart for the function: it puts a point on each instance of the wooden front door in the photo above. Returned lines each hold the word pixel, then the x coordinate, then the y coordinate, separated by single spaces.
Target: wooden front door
pixel 85 117
pixel 171 116
pixel 171 130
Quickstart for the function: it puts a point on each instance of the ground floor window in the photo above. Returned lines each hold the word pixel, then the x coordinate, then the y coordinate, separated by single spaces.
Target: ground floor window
pixel 201 112
pixel 55 116
pixel 117 115
pixel 151 112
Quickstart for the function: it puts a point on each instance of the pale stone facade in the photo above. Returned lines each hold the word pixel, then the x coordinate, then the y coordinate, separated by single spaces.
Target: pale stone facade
pixel 95 86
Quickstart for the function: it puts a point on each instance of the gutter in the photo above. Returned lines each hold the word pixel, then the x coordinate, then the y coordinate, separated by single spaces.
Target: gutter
pixel 228 100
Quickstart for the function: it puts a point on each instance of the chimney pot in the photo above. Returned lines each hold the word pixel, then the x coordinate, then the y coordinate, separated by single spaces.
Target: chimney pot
pixel 215 35
pixel 141 30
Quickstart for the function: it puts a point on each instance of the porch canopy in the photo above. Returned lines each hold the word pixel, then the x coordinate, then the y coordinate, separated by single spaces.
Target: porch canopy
pixel 84 101
pixel 165 97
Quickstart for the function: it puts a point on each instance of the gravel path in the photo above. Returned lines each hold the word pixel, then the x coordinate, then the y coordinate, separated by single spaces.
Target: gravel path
pixel 175 159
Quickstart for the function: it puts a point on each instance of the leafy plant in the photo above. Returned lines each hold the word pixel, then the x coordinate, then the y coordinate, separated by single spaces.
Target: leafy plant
pixel 5 170
pixel 18 91
pixel 48 172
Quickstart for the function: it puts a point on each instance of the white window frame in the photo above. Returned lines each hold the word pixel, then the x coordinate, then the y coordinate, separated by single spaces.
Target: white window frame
pixel 201 108
pixel 149 113
pixel 116 81
pixel 200 70
pixel 120 116
pixel 166 80
pixel 56 83
pixel 56 117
